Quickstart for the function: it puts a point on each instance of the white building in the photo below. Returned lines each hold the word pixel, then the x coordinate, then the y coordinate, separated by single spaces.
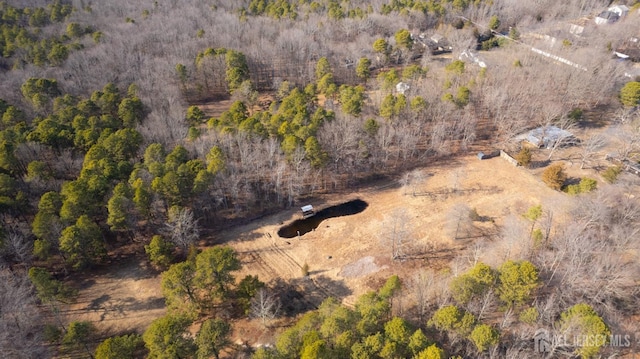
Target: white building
pixel 620 10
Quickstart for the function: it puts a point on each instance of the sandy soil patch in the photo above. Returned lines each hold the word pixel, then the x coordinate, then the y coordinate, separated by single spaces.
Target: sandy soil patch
pixel 124 300
pixel 494 187
pixel 347 256
pixel 215 108
pixel 361 267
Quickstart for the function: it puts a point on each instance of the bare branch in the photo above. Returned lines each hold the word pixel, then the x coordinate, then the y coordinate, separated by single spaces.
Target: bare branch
pixel 265 306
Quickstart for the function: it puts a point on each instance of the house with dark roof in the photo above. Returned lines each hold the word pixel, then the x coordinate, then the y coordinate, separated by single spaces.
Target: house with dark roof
pixel 607 17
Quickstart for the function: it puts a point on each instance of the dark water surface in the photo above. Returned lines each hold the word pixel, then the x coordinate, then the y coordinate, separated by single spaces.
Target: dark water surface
pixel 306 225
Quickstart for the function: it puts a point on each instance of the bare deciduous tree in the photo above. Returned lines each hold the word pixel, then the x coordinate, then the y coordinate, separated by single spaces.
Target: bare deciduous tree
pixel 16 248
pixel 564 124
pixel 265 306
pixel 182 228
pixel 457 176
pixel 20 320
pixel 590 148
pixel 459 223
pixel 421 283
pixel 395 231
pixel 628 141
pixel 414 179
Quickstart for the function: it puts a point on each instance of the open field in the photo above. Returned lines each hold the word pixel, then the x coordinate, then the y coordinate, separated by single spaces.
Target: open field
pixel 121 299
pixel 347 255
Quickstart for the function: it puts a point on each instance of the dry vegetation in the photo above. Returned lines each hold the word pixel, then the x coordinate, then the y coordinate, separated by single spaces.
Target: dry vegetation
pixel 205 126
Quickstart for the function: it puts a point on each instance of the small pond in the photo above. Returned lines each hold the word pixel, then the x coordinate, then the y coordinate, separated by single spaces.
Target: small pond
pixel 306 225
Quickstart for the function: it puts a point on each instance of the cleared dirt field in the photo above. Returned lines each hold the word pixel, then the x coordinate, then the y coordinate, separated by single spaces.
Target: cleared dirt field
pixel 121 299
pixel 347 255
pixel 350 255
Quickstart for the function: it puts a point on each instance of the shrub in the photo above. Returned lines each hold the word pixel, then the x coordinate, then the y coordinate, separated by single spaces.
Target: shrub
pixel 484 337
pixel 432 352
pixel 489 44
pixel 586 185
pixel 159 251
pixel 452 318
pixel 514 34
pixel 583 320
pixel 554 176
pixel 576 114
pixel 529 315
pixel 78 334
pixel 494 22
pixel 517 282
pixel 537 237
pixel 524 157
pixel 193 133
pixel 473 283
pixel 122 347
pixel 630 94
pixel 611 174
pixel 572 189
pixel 473 215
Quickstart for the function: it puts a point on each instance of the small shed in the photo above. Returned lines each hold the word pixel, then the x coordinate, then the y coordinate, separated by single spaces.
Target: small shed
pixel 307 211
pixel 486 156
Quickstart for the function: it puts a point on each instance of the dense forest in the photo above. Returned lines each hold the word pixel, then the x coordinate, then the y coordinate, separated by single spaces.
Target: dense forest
pixel 108 139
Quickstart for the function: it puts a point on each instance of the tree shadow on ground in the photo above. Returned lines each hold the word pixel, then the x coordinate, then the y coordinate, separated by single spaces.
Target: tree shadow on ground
pixel 300 295
pixel 98 302
pixel 571 181
pixel 112 309
pixel 539 164
pixel 300 227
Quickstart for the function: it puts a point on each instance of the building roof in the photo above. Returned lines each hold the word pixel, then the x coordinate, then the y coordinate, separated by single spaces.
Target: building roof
pixel 619 8
pixel 307 208
pixel 437 38
pixel 609 15
pixel 545 136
